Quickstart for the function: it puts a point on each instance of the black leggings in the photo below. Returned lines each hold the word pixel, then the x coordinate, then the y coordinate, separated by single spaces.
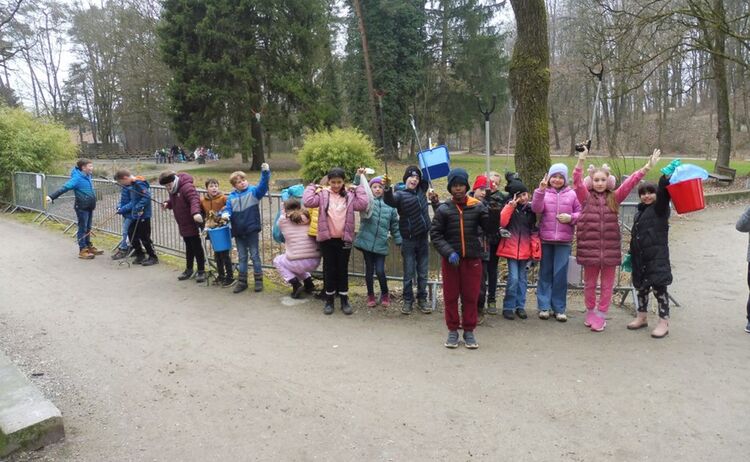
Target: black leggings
pixel 224 264
pixel 139 234
pixel 662 298
pixel 194 251
pixel 336 266
pixel 748 285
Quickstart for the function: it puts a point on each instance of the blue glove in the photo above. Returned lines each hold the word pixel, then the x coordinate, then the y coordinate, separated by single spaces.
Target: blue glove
pixel 453 259
pixel 669 169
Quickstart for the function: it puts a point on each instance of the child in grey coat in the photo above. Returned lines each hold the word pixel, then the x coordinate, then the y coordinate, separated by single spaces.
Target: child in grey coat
pixel 743 225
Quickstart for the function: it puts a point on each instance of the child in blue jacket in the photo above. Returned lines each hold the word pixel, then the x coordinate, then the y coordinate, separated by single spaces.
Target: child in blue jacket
pixel 137 207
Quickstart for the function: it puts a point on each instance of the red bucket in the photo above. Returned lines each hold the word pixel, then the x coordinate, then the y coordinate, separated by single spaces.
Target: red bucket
pixel 687 196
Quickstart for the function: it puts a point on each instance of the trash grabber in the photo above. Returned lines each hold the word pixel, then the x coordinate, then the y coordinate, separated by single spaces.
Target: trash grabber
pixel 132 247
pixel 99 225
pixel 486 113
pixel 380 94
pixel 598 75
pixel 419 145
pixel 135 190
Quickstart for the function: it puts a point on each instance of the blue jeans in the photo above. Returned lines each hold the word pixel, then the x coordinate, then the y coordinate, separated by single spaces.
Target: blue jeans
pixel 515 292
pixel 84 228
pixel 552 288
pixel 126 221
pixel 249 244
pixel 416 253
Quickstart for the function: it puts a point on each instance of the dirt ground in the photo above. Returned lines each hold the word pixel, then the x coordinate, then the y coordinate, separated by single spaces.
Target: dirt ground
pixel 145 368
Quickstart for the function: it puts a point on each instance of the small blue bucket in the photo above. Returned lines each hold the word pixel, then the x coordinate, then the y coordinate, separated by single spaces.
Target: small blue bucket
pixel 221 238
pixel 435 163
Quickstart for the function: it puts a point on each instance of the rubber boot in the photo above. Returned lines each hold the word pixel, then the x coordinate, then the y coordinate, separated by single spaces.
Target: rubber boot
pixel 346 308
pixel 309 285
pixel 258 282
pixel 241 283
pixel 640 321
pixel 328 309
pixel 662 329
pixel 296 288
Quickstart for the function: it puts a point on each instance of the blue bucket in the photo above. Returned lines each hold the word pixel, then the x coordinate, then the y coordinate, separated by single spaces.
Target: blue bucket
pixel 221 238
pixel 435 163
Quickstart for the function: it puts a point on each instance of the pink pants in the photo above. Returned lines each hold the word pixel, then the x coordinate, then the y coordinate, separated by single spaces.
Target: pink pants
pixel 590 277
pixel 290 269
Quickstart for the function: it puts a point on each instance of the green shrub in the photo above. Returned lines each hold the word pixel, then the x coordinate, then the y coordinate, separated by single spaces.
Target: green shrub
pixel 345 148
pixel 29 144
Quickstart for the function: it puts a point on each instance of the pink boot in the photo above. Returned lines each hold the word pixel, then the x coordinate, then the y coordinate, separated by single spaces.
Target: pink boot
pixel 589 317
pixel 662 329
pixel 371 301
pixel 385 300
pixel 598 323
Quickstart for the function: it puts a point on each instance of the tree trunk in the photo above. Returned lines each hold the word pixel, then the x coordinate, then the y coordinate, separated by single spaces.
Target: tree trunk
pixel 368 69
pixel 258 155
pixel 554 129
pixel 529 83
pixel 724 130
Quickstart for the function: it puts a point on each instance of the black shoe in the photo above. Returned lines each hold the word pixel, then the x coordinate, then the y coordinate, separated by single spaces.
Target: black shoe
pixel 296 288
pixel 328 309
pixel 120 254
pixel 408 307
pixel 187 274
pixel 258 282
pixel 521 313
pixel 241 285
pixel 228 282
pixel 309 285
pixel 200 277
pixel 346 308
pixel 423 306
pixel 150 261
pixel 507 314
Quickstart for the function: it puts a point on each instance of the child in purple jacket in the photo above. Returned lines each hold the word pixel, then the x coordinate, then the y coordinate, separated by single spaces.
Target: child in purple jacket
pixel 559 208
pixel 336 230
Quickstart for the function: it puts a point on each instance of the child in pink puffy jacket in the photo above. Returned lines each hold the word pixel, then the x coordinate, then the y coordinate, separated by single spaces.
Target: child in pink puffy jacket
pixel 559 208
pixel 598 247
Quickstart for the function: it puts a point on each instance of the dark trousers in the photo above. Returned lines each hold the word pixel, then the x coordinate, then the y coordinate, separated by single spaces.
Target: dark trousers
pixel 336 266
pixel 492 272
pixel 224 264
pixel 660 292
pixel 375 265
pixel 461 281
pixel 416 254
pixel 139 234
pixel 748 299
pixel 194 252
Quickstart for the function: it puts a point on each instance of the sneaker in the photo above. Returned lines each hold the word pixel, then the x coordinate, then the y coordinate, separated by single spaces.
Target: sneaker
pixel 120 254
pixel 561 317
pixel 508 314
pixel 371 301
pixel 187 274
pixel 521 313
pixel 385 300
pixel 423 306
pixel 747 327
pixel 598 323
pixel 408 307
pixel 470 341
pixel 228 282
pixel 150 261
pixel 200 277
pixel 544 314
pixel 452 341
pixel 589 317
pixel 491 308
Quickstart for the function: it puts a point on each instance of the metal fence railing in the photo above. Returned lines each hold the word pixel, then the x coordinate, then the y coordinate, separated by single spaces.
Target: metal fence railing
pixel 30 190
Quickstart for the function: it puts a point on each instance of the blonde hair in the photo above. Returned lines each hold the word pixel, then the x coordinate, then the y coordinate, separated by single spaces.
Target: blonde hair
pixel 236 177
pixel 610 195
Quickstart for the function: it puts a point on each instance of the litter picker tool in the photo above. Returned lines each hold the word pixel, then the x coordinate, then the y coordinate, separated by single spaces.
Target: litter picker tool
pixel 380 94
pixel 487 113
pixel 419 145
pixel 598 74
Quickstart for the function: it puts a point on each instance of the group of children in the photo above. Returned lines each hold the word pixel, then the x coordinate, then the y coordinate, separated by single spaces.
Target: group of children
pixel 471 231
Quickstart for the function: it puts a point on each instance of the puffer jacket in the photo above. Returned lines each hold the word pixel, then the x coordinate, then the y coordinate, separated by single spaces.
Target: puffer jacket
pixel 743 226
pixel 649 242
pixel 494 200
pixel 598 230
pixel 455 228
pixel 412 208
pixel 550 203
pixel 373 231
pixel 242 207
pixel 298 244
pixel 83 188
pixel 356 201
pixel 521 222
pixel 135 200
pixel 185 202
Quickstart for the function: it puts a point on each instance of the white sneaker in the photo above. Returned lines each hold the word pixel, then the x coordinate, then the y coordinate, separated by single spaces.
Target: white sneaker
pixel 544 314
pixel 561 317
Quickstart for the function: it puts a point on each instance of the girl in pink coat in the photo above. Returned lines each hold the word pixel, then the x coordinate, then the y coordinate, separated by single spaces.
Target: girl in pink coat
pixel 559 208
pixel 302 254
pixel 598 232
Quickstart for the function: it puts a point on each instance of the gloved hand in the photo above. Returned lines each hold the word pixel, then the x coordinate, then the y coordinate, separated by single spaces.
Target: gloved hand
pixel 669 169
pixel 198 218
pixel 454 259
pixel 264 167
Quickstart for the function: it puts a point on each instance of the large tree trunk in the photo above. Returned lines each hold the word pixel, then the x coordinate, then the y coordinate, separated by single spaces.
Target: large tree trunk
pixel 529 84
pixel 258 154
pixel 368 69
pixel 724 131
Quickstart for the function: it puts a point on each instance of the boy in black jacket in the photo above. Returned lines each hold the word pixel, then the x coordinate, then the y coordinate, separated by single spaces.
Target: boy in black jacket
pixel 455 235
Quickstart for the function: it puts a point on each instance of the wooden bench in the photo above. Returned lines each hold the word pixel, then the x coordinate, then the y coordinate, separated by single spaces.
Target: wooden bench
pixel 723 174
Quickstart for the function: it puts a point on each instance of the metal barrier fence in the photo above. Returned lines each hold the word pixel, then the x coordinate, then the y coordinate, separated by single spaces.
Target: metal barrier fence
pixel 30 190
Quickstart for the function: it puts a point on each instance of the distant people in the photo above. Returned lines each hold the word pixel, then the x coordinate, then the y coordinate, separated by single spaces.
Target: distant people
pixel 743 225
pixel 82 185
pixel 174 153
pixel 185 203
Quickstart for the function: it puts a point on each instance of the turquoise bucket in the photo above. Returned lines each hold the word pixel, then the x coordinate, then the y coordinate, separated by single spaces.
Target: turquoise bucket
pixel 221 238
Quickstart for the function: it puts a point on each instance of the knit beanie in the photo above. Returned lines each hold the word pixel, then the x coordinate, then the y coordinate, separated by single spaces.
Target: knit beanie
pixel 481 182
pixel 516 187
pixel 412 170
pixel 377 179
pixel 562 169
pixel 458 176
